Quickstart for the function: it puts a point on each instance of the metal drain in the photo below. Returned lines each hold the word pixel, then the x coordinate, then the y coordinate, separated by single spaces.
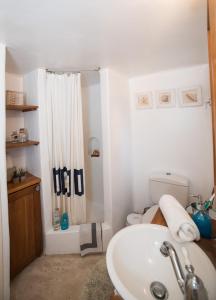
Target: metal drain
pixel 158 290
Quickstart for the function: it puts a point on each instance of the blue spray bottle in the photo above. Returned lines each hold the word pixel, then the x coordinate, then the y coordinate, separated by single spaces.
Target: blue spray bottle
pixel 64 221
pixel 202 219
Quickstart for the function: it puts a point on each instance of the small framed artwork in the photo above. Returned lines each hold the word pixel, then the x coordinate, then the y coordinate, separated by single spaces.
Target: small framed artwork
pixel 144 100
pixel 166 98
pixel 189 97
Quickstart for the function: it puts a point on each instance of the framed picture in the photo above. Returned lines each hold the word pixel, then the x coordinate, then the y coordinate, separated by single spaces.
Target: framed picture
pixel 166 98
pixel 190 96
pixel 144 100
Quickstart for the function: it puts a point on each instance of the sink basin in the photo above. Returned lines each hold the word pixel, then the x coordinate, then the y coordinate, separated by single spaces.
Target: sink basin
pixel 134 261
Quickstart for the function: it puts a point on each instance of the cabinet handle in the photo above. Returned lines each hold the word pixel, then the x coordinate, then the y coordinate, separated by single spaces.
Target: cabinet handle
pixel 37 189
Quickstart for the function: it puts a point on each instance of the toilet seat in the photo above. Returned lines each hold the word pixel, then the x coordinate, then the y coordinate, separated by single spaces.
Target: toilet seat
pixel 134 218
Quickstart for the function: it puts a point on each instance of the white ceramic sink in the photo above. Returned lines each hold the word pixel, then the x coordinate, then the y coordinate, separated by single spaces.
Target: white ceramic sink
pixel 134 261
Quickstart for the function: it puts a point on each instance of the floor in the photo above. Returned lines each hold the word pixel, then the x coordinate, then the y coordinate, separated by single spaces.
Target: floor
pixel 56 277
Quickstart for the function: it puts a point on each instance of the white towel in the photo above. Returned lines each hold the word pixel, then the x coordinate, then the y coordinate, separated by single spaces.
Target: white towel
pixel 91 238
pixel 180 224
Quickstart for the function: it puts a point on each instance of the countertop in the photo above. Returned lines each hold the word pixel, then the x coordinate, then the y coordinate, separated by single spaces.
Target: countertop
pixel 208 246
pixel 30 180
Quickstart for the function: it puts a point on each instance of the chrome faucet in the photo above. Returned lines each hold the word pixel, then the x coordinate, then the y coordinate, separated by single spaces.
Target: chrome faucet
pixel 191 285
pixel 167 249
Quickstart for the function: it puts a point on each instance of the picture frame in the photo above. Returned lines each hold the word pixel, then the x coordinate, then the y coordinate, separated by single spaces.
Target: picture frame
pixel 144 100
pixel 190 97
pixel 166 98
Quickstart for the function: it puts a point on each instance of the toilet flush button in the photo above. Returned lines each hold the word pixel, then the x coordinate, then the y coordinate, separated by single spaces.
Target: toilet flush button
pixel 168 173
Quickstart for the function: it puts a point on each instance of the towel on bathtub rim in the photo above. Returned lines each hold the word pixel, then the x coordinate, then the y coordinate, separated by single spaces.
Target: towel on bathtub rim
pixel 91 238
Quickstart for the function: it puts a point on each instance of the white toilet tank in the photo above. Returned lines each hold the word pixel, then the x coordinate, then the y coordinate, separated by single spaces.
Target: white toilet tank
pixel 168 183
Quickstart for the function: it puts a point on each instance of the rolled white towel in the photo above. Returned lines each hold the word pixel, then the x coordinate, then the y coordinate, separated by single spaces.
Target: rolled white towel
pixel 180 224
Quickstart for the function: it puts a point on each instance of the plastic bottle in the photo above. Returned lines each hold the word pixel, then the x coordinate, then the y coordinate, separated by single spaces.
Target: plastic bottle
pixel 56 219
pixel 203 221
pixel 64 221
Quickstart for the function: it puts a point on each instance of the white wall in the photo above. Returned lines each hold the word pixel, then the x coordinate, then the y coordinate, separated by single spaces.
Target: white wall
pixel 4 227
pixel 178 140
pixel 92 128
pixel 15 119
pixel 31 122
pixel 116 147
pixel 34 122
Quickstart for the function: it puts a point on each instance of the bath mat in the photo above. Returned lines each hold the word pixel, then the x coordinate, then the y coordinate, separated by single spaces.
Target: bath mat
pixel 98 286
pixel 91 238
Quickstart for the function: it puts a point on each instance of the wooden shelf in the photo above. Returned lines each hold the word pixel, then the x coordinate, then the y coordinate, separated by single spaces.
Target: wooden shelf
pixel 10 145
pixel 23 108
pixel 30 180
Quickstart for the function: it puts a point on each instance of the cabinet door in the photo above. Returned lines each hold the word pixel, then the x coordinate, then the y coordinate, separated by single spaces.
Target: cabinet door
pixel 25 227
pixel 18 225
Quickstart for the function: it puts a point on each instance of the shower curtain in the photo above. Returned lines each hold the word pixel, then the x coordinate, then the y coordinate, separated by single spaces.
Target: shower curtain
pixel 64 130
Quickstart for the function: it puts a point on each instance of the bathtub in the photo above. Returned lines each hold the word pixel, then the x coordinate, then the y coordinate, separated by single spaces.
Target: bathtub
pixel 67 241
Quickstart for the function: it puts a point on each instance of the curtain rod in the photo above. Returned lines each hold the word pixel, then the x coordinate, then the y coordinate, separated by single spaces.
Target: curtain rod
pixel 72 71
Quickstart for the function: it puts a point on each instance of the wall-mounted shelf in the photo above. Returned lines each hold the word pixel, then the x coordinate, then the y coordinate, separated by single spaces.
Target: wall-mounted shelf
pixel 10 145
pixel 23 108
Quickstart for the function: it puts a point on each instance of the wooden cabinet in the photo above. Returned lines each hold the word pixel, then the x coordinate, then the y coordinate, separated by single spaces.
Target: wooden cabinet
pixel 25 225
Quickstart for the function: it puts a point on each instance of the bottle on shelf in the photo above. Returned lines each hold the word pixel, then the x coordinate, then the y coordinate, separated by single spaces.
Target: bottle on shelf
pixel 23 135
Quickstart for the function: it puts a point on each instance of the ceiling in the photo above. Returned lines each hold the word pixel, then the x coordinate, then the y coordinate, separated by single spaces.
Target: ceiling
pixel 133 36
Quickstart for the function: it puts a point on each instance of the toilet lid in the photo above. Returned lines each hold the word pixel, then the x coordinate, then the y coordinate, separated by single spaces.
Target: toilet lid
pixel 133 219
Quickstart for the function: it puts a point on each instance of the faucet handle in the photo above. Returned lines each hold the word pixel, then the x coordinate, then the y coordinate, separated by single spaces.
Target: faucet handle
pixel 186 256
pixel 194 287
pixel 188 264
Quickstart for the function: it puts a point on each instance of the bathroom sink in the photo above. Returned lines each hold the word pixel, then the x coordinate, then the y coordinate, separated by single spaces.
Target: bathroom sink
pixel 134 262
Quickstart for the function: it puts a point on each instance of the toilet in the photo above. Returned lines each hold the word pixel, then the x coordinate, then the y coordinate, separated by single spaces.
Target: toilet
pixel 160 184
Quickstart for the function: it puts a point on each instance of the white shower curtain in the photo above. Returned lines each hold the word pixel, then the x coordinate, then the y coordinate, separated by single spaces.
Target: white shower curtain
pixel 64 129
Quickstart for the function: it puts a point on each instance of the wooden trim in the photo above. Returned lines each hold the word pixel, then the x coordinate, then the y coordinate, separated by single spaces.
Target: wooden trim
pixel 159 218
pixel 212 66
pixel 10 145
pixel 23 108
pixel 115 297
pixel 29 181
